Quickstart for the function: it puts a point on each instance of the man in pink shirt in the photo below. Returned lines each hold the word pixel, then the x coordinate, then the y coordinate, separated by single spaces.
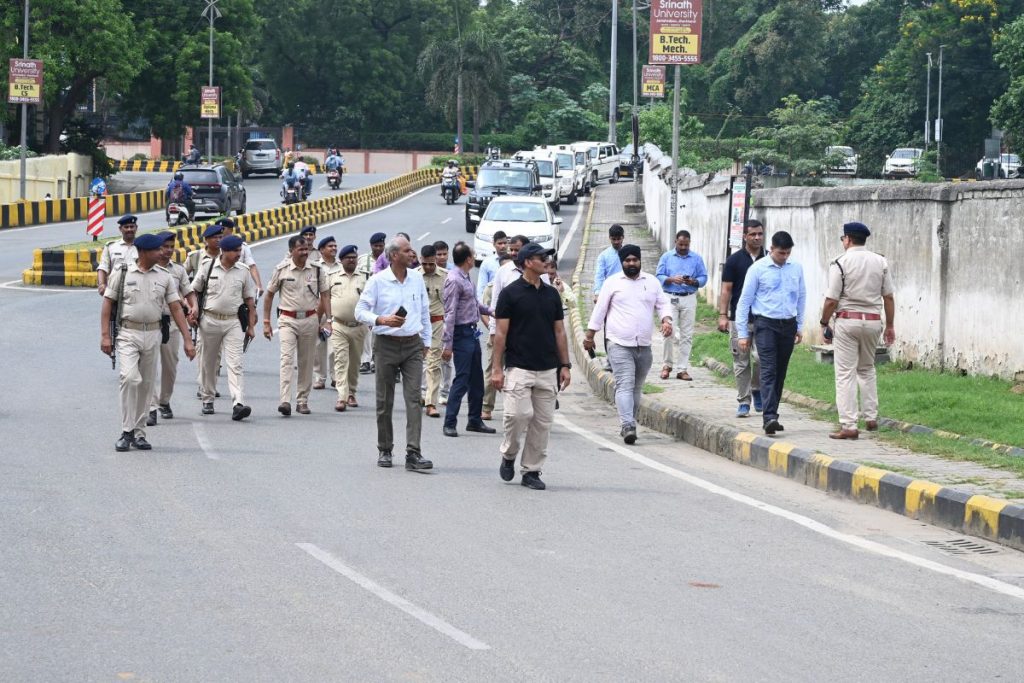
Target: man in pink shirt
pixel 627 302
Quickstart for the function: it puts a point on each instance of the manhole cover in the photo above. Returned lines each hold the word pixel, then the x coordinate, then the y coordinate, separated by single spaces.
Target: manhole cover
pixel 962 546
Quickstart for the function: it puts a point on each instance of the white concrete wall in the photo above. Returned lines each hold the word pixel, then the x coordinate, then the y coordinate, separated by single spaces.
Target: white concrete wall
pixel 952 249
pixel 48 174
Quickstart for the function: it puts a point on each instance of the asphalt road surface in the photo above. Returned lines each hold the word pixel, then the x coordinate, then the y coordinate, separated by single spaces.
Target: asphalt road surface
pixel 276 550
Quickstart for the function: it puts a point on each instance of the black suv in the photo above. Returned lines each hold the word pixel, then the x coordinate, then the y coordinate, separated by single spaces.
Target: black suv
pixel 498 177
pixel 218 191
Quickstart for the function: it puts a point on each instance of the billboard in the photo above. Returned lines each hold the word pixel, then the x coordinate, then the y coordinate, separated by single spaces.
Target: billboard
pixel 209 106
pixel 25 81
pixel 652 80
pixel 675 31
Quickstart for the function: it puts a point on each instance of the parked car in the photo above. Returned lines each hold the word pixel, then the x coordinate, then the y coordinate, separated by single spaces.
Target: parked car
pixel 261 155
pixel 570 177
pixel 604 160
pixel 218 191
pixel 902 163
pixel 1008 166
pixel 626 161
pixel 848 165
pixel 527 216
pixel 495 178
pixel 547 169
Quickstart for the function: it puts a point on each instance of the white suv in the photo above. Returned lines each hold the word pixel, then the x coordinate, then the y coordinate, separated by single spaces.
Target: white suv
pixel 604 160
pixel 547 168
pixel 570 176
pixel 902 163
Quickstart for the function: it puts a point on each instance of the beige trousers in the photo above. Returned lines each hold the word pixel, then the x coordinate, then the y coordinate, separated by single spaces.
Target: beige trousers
pixel 684 315
pixel 529 408
pixel 434 364
pixel 298 337
pixel 163 389
pixel 490 395
pixel 220 338
pixel 323 360
pixel 137 353
pixel 855 343
pixel 347 348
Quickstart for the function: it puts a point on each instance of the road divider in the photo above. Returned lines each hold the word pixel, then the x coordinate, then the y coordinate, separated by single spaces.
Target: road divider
pixel 21 214
pixel 158 166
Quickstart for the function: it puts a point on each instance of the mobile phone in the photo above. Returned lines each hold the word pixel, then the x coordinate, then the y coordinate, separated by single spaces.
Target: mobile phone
pixel 401 312
pixel 592 353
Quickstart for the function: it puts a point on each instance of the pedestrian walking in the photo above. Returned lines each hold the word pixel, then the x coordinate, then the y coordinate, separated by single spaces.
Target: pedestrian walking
pixel 681 273
pixel 608 262
pixel 433 278
pixel 859 288
pixel 139 290
pixel 441 250
pixel 489 266
pixel 309 234
pixel 461 341
pixel 301 317
pixel 383 261
pixel 230 293
pixel 346 285
pixel 395 303
pixel 771 311
pixel 744 363
pixel 624 309
pixel 323 359
pixel 531 339
pixel 164 388
pixel 447 368
pixel 195 260
pixel 247 259
pixel 120 251
pixel 365 264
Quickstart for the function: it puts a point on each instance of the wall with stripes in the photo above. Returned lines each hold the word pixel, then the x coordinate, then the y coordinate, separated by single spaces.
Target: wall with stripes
pixel 61 210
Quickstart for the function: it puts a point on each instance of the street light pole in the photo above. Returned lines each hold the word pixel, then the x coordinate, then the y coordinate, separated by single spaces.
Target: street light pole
pixel 673 203
pixel 212 13
pixel 928 105
pixel 611 80
pixel 634 59
pixel 939 133
pixel 24 112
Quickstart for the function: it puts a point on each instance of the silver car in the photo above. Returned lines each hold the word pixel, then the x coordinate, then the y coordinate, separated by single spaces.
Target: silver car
pixel 261 155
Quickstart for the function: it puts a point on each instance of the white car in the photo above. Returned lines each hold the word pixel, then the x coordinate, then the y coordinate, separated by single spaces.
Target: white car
pixel 848 165
pixel 1007 167
pixel 569 176
pixel 527 216
pixel 902 163
pixel 547 168
pixel 604 160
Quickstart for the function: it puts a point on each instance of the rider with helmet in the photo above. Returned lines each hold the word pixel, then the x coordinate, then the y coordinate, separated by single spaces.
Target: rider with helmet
pixel 334 161
pixel 180 192
pixel 305 174
pixel 451 171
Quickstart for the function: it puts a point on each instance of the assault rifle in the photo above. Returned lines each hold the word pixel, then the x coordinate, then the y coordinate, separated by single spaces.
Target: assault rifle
pixel 201 300
pixel 115 316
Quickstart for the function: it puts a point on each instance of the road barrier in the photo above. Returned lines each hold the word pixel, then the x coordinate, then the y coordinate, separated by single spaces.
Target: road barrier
pixel 69 266
pixel 157 166
pixel 20 214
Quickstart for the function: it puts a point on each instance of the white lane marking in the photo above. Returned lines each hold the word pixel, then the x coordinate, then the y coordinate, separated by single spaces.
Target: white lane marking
pixel 350 218
pixel 204 441
pixel 806 522
pixel 422 237
pixel 18 286
pixel 446 220
pixel 434 622
pixel 572 230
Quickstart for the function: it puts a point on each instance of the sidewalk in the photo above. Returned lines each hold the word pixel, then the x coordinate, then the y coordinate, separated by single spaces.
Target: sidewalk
pixel 702 412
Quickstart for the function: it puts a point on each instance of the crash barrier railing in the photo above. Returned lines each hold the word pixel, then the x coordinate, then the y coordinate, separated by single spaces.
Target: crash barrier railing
pixel 20 214
pixel 75 266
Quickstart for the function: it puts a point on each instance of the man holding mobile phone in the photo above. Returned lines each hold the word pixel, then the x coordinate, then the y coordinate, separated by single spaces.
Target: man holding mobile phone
pixel 395 304
pixel 681 273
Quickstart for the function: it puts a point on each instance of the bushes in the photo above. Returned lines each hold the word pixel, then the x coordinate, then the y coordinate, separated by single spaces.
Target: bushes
pixel 463 159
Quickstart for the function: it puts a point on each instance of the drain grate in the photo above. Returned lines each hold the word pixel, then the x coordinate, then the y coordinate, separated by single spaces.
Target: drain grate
pixel 962 546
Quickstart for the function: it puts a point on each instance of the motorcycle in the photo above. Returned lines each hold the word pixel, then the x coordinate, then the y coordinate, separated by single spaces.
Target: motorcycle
pixel 334 178
pixel 450 190
pixel 294 193
pixel 177 214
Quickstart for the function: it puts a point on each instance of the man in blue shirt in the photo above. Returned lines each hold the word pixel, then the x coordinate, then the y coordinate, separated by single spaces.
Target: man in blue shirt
pixel 608 263
pixel 681 273
pixel 772 303
pixel 489 266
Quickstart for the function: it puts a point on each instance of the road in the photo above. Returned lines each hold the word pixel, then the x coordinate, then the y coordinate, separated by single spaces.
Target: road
pixel 276 550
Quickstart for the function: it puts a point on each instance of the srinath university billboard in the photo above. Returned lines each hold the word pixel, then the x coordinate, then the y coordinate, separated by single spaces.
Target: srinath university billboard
pixel 675 31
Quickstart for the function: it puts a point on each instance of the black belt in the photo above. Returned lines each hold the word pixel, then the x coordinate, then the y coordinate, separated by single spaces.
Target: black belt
pixel 678 293
pixel 472 324
pixel 778 320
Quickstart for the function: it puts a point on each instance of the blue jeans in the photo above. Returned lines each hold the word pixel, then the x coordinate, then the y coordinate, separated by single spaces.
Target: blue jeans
pixel 630 365
pixel 469 376
pixel 775 340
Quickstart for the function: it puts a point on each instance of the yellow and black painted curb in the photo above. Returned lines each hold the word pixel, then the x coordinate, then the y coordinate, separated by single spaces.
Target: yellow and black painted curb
pixel 20 214
pixel 989 518
pixel 59 266
pixel 157 166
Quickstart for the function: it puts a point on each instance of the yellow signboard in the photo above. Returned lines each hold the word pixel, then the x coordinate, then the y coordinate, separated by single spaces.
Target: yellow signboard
pixel 25 81
pixel 653 81
pixel 209 106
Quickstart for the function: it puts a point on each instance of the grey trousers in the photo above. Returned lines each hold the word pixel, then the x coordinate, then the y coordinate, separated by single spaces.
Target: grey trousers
pixel 630 365
pixel 744 366
pixel 394 354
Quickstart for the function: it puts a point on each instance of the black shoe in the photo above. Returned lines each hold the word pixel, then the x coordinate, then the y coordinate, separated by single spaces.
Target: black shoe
pixel 779 427
pixel 141 443
pixel 166 412
pixel 151 420
pixel 364 369
pixel 384 459
pixel 240 412
pixel 481 427
pixel 216 394
pixel 507 469
pixel 450 431
pixel 415 461
pixel 124 443
pixel 285 409
pixel 771 427
pixel 208 408
pixel 628 434
pixel 531 480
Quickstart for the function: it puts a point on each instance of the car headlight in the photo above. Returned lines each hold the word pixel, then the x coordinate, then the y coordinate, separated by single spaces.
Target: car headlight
pixel 484 238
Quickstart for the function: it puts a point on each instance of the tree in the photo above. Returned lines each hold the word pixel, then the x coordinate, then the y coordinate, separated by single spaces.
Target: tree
pixel 799 136
pixel 1008 110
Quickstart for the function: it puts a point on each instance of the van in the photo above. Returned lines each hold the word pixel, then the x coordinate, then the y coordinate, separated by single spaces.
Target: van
pixel 604 160
pixel 547 167
pixel 573 178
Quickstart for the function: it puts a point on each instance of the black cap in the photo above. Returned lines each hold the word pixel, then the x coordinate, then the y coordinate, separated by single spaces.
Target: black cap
pixel 856 228
pixel 533 249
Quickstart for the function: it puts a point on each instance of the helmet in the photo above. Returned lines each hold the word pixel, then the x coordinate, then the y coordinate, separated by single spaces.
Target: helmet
pixel 179 176
pixel 452 162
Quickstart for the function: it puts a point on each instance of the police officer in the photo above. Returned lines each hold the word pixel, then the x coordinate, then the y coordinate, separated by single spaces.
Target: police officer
pixel 433 277
pixel 201 257
pixel 309 233
pixel 140 289
pixel 859 287
pixel 114 253
pixel 364 264
pixel 247 259
pixel 169 350
pixel 228 285
pixel 323 359
pixel 305 299
pixel 347 338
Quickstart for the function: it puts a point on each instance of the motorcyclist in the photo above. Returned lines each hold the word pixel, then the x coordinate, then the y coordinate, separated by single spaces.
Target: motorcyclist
pixel 194 155
pixel 334 161
pixel 289 177
pixel 451 172
pixel 180 192
pixel 304 172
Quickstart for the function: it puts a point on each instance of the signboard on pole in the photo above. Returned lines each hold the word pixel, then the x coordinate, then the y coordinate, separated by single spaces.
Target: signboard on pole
pixel 652 79
pixel 736 207
pixel 209 107
pixel 675 31
pixel 25 81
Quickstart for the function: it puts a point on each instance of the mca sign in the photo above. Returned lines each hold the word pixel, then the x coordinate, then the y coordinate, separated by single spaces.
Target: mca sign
pixel 675 31
pixel 652 81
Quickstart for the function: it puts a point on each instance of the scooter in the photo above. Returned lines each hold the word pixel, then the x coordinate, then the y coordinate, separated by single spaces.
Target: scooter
pixel 450 190
pixel 334 179
pixel 177 214
pixel 294 193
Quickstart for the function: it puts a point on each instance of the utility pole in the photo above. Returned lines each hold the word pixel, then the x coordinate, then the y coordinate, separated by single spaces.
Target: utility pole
pixel 939 133
pixel 611 80
pixel 634 58
pixel 24 112
pixel 212 13
pixel 674 180
pixel 928 105
pixel 458 86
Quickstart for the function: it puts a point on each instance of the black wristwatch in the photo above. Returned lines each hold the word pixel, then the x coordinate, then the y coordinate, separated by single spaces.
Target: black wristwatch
pixel 565 365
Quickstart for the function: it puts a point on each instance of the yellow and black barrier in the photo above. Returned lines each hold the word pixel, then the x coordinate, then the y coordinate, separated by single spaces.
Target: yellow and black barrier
pixel 148 165
pixel 76 267
pixel 20 214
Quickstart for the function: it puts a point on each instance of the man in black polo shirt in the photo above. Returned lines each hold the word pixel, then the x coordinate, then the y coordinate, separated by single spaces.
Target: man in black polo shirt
pixel 744 363
pixel 531 338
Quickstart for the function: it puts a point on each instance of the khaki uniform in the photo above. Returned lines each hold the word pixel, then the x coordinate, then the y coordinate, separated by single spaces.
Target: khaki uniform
pixel 219 329
pixel 299 289
pixel 364 265
pixel 169 352
pixel 490 393
pixel 196 260
pixel 323 359
pixel 348 335
pixel 146 293
pixel 857 280
pixel 435 291
pixel 116 253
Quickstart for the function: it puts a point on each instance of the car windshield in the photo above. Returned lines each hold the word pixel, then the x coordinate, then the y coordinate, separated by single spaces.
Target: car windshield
pixel 546 168
pixel 581 158
pixel 1011 159
pixel 516 212
pixel 564 161
pixel 627 150
pixel 519 178
pixel 260 145
pixel 201 177
pixel 906 154
pixel 593 152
